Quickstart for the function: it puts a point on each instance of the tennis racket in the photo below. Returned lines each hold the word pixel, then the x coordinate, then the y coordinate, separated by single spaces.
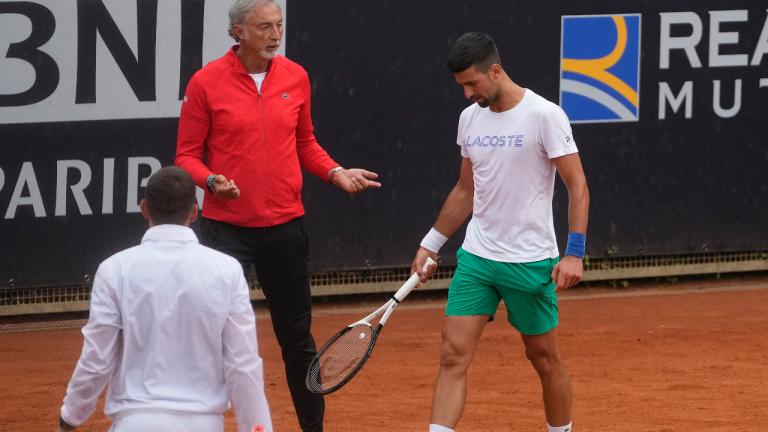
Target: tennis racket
pixel 344 354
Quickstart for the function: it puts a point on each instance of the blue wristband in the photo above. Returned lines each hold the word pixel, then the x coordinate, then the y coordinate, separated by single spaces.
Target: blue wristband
pixel 576 244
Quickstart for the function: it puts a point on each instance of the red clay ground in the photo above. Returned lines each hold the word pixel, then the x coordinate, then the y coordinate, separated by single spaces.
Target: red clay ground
pixel 686 362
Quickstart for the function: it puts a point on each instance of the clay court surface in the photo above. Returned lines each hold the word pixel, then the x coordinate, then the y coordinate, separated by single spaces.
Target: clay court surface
pixel 640 360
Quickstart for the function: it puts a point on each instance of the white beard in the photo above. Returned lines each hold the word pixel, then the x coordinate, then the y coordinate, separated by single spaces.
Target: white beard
pixel 268 54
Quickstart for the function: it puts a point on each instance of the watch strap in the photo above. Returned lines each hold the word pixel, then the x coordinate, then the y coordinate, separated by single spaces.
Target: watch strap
pixel 332 173
pixel 209 183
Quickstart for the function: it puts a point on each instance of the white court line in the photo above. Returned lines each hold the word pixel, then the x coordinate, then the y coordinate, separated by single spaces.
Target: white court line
pixel 78 324
pixel 566 297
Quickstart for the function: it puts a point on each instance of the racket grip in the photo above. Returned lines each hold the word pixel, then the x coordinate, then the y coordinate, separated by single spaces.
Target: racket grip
pixel 412 282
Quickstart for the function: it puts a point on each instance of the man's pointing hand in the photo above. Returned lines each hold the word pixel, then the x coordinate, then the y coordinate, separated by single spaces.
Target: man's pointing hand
pixel 355 180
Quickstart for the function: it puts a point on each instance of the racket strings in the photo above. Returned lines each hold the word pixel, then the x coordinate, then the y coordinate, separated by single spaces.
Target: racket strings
pixel 340 358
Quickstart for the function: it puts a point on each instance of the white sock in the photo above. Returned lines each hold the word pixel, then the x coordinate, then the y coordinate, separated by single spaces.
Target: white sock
pixel 438 428
pixel 566 428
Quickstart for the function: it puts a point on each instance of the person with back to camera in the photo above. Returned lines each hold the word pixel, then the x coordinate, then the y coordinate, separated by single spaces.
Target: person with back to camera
pixel 171 329
pixel 248 113
pixel 512 142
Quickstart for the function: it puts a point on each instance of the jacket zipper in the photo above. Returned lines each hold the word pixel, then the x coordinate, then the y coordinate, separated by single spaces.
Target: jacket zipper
pixel 264 149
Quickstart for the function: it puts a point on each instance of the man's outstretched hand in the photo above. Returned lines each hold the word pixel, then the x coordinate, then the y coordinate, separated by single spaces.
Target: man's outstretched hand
pixel 225 189
pixel 355 180
pixel 567 272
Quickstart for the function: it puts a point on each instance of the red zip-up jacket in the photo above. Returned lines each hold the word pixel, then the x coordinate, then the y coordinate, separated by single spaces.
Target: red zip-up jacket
pixel 261 140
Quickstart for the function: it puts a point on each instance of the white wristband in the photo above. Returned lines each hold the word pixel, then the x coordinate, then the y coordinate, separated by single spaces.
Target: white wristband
pixel 433 241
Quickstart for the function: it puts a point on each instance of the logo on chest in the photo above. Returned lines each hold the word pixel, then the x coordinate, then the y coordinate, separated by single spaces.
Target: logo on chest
pixel 494 141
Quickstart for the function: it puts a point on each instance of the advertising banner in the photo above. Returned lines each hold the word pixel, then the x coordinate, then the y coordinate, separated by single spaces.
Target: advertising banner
pixel 668 104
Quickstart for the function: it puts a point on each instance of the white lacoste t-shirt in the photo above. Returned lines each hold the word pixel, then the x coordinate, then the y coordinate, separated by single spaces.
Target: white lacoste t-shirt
pixel 514 177
pixel 258 79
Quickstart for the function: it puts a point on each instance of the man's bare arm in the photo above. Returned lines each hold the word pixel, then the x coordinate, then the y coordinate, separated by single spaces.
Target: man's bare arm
pixel 567 272
pixel 458 205
pixel 455 211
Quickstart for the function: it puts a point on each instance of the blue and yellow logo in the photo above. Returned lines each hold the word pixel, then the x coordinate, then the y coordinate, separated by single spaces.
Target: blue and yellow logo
pixel 600 68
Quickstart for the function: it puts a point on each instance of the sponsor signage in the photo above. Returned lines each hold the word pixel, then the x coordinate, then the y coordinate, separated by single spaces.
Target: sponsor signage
pixel 600 63
pixel 104 59
pixel 600 68
pixel 668 102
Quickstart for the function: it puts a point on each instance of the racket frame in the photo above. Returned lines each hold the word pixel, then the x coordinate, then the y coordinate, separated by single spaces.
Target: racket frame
pixel 386 309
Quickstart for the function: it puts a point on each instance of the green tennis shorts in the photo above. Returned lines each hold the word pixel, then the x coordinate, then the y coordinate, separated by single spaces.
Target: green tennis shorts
pixel 479 284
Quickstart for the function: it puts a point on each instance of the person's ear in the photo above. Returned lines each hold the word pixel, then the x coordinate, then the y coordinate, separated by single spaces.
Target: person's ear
pixel 495 71
pixel 239 32
pixel 193 214
pixel 145 211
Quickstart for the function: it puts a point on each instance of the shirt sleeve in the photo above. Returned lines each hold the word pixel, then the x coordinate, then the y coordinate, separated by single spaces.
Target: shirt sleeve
pixel 312 157
pixel 555 137
pixel 243 368
pixel 102 341
pixel 460 138
pixel 194 125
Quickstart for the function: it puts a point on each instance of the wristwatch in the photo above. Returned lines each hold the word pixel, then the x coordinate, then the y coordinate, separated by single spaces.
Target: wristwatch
pixel 332 173
pixel 209 183
pixel 64 425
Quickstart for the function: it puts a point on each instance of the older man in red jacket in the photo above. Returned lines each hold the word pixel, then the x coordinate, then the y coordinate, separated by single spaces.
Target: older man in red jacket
pixel 246 118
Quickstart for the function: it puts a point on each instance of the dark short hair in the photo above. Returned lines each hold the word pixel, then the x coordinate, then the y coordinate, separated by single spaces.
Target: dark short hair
pixel 170 196
pixel 473 49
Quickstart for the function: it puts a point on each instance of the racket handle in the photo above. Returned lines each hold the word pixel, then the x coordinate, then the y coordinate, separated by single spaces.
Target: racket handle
pixel 412 282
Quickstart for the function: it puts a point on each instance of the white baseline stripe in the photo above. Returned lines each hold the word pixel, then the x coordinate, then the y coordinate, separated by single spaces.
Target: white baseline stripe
pixel 78 324
pixel 566 297
pixel 598 96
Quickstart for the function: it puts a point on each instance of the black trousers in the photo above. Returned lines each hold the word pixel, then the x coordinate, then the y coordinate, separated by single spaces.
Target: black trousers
pixel 280 255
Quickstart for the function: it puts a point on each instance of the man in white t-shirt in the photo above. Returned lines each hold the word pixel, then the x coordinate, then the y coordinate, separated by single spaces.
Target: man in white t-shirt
pixel 512 142
pixel 171 330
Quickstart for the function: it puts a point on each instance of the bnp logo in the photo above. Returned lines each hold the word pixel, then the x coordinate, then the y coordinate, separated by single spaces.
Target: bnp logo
pixel 600 68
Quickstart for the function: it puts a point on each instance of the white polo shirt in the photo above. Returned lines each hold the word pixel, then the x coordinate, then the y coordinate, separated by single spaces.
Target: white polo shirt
pixel 511 154
pixel 171 329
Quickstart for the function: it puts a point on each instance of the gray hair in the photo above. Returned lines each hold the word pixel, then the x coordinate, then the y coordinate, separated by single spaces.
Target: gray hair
pixel 240 10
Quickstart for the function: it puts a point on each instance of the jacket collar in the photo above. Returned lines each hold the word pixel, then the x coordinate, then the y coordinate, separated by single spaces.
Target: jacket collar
pixel 170 233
